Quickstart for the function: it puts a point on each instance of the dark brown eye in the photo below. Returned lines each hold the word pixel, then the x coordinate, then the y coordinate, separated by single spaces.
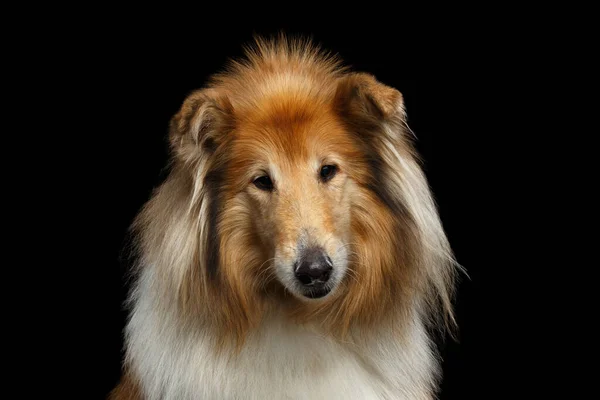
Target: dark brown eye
pixel 263 183
pixel 328 172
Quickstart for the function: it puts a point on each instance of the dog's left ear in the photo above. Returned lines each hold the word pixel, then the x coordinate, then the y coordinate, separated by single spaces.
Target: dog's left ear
pixel 360 94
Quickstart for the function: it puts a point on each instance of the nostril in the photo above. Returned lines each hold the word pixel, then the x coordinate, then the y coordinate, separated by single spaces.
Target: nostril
pixel 305 279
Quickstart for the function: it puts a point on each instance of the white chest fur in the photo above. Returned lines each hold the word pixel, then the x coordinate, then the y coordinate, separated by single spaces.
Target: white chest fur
pixel 279 361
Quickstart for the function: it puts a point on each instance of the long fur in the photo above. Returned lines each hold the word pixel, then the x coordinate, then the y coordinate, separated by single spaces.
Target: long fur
pixel 209 318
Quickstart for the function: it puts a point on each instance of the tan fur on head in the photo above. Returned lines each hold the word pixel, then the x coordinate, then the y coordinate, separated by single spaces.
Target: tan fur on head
pixel 214 249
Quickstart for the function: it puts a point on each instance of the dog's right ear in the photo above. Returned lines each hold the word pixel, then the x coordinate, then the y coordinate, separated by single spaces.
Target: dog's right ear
pixel 360 95
pixel 200 124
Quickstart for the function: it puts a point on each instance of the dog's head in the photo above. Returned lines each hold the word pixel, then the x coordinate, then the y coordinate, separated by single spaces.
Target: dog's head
pixel 297 177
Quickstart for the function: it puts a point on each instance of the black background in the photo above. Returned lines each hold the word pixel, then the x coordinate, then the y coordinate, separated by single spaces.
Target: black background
pixel 132 76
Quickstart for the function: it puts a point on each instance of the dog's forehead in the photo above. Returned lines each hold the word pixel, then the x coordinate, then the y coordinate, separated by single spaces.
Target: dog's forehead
pixel 290 126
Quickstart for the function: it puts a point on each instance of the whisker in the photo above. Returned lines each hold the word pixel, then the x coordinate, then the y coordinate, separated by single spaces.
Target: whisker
pixel 266 270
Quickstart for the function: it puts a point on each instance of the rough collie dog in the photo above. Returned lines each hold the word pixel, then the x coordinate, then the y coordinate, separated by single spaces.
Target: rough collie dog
pixel 294 251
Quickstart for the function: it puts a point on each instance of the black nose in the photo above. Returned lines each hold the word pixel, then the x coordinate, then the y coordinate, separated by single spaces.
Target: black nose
pixel 313 267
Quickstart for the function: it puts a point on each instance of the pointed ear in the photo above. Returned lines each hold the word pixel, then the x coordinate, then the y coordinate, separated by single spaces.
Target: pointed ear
pixel 361 94
pixel 201 123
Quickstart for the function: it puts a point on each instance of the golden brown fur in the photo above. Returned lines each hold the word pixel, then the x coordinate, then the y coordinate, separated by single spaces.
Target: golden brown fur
pixel 210 236
pixel 126 390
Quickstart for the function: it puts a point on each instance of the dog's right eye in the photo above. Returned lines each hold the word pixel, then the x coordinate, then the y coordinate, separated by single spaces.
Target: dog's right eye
pixel 263 183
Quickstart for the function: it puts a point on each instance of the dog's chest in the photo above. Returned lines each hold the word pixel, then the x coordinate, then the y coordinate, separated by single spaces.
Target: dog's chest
pixel 279 362
pixel 301 364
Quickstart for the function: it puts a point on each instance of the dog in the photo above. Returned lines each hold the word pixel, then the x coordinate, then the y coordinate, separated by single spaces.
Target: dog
pixel 294 251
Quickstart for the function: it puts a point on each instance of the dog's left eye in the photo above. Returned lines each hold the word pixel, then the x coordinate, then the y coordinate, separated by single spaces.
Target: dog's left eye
pixel 328 172
pixel 263 183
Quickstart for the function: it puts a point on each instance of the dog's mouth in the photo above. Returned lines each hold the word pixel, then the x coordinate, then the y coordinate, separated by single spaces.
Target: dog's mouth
pixel 312 292
pixel 316 292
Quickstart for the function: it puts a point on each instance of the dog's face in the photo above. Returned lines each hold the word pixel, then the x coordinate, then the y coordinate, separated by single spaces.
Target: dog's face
pixel 294 184
pixel 291 175
pixel 293 167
